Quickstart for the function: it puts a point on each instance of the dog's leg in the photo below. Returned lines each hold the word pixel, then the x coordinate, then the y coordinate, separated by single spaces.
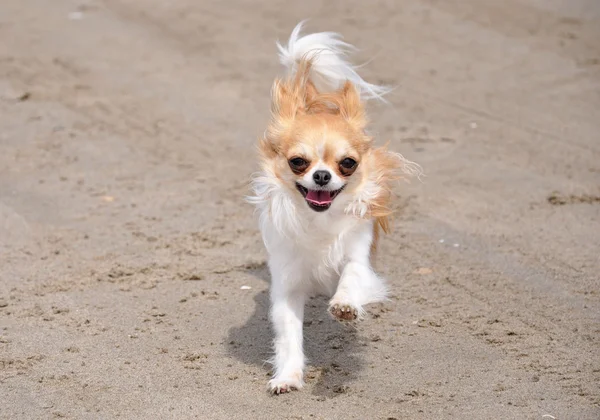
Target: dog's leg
pixel 287 312
pixel 358 285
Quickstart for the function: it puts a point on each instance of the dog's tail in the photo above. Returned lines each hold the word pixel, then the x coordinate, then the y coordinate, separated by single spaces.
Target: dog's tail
pixel 329 69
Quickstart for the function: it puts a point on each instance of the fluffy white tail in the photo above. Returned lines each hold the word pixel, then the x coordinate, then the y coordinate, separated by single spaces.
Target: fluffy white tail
pixel 329 70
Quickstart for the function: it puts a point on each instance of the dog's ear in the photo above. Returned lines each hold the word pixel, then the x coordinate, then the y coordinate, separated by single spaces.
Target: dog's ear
pixel 288 100
pixel 311 92
pixel 351 107
pixel 285 102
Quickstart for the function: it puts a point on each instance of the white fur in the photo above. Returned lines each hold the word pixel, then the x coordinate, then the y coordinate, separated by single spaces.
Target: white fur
pixel 330 69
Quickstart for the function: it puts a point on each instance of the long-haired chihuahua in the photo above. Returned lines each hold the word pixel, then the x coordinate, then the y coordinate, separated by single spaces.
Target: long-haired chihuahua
pixel 323 193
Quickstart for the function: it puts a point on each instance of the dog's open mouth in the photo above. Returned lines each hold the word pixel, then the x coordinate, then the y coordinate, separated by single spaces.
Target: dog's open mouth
pixel 318 200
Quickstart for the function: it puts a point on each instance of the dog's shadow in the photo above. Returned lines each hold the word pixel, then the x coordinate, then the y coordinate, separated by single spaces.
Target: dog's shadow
pixel 332 349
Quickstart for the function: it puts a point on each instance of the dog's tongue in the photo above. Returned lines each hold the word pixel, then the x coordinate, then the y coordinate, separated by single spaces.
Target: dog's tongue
pixel 319 197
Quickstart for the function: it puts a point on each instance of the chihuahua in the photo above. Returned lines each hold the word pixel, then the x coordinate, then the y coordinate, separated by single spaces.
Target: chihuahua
pixel 323 193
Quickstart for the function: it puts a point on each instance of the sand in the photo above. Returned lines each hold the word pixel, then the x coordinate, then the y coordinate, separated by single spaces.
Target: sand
pixel 127 135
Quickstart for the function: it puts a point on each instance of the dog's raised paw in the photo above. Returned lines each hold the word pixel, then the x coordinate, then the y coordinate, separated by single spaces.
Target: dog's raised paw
pixel 343 312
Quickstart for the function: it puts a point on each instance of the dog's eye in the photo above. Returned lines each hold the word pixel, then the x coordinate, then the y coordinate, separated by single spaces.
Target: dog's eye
pixel 348 166
pixel 348 163
pixel 298 165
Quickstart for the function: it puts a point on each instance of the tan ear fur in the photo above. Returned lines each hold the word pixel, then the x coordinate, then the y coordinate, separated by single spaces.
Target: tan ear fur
pixel 288 100
pixel 298 95
pixel 344 102
pixel 311 92
pixel 351 107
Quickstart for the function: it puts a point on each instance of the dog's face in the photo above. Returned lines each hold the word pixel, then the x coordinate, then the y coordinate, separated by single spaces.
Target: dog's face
pixel 320 158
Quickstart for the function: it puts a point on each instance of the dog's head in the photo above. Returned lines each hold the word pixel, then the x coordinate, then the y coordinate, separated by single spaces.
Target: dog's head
pixel 317 148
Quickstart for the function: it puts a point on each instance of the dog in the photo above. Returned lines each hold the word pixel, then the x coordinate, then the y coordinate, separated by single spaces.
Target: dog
pixel 323 193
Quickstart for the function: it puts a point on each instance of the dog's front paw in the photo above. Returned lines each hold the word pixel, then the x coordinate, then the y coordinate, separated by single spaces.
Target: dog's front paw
pixel 282 384
pixel 343 312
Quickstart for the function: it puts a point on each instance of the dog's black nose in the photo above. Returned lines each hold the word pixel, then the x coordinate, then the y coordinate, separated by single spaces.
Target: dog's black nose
pixel 322 177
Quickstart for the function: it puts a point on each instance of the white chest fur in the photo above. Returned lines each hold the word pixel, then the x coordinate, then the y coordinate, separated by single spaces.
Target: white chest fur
pixel 311 253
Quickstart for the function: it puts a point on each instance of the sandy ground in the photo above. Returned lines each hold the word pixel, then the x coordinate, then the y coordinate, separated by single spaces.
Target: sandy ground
pixel 127 134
